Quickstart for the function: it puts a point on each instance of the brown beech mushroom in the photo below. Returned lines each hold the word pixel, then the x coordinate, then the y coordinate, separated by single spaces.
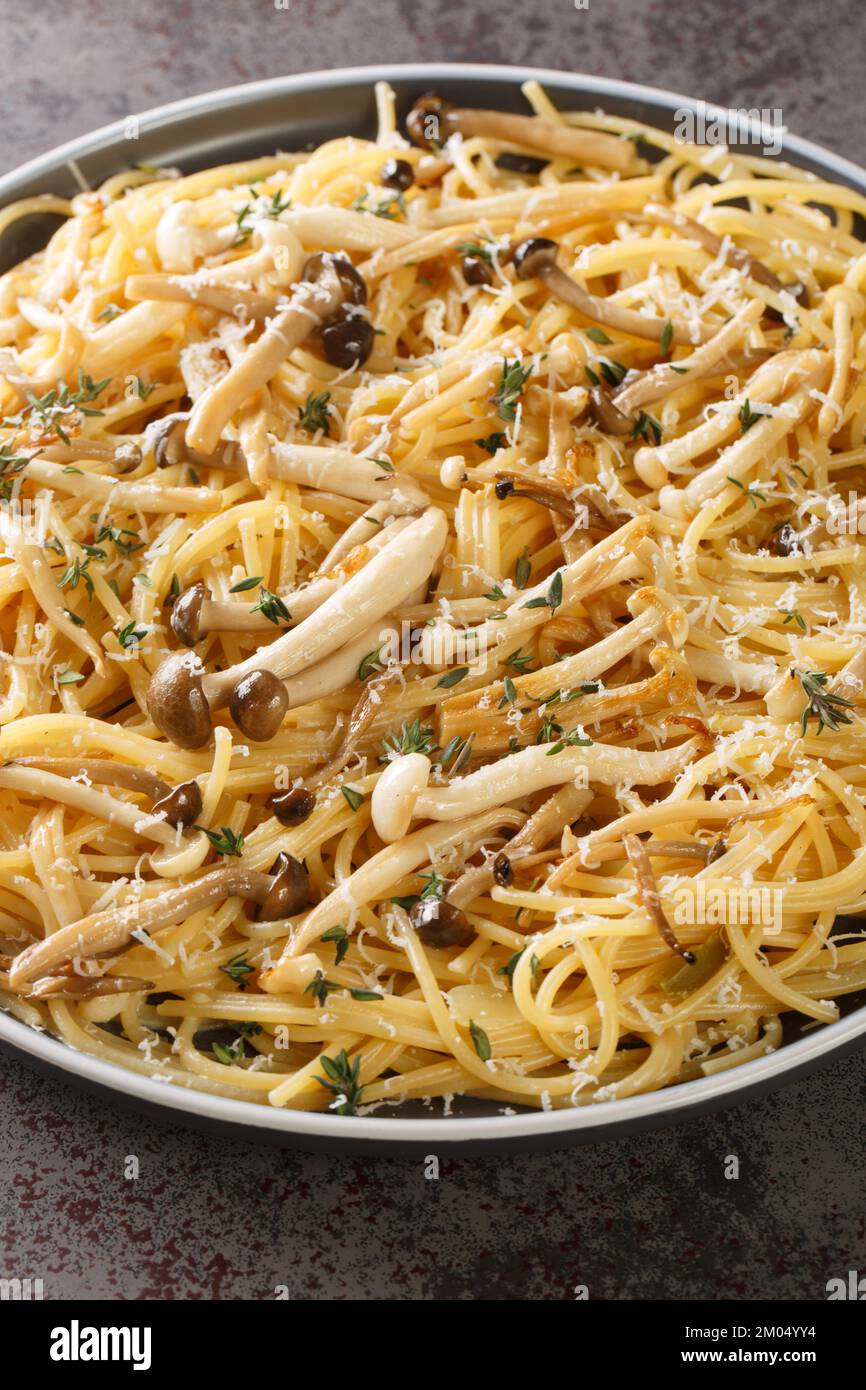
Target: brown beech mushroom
pixel 536 257
pixel 440 923
pixel 316 299
pixel 290 891
pixel 181 694
pixel 282 893
pixel 180 805
pixel 432 121
pixel 258 704
pixel 166 437
pixel 294 807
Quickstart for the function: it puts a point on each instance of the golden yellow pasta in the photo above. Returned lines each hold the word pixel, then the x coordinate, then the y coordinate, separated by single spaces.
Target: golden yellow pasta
pixel 432 617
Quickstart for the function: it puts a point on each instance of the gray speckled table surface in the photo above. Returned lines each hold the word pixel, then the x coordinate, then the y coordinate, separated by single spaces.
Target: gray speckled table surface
pixel 647 1217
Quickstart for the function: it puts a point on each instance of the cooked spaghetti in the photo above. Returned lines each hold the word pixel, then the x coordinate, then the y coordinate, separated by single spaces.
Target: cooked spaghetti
pixel 432 614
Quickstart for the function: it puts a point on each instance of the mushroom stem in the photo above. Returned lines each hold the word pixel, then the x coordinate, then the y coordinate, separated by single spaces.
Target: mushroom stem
pixel 543 826
pixel 529 132
pixel 537 257
pixel 385 582
pixel 310 305
pixel 195 614
pixel 649 894
pixel 102 771
pixel 394 805
pixel 349 475
pixel 278 895
pixel 708 360
pixel 193 289
pixel 32 781
pixel 734 255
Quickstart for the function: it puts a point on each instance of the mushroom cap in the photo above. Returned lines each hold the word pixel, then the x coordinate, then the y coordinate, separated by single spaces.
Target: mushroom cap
pixel 290 891
pixel 182 805
pixel 186 615
pixel 533 256
pixel 476 271
pixel 167 437
pixel 258 703
pixel 440 923
pixel 429 108
pixel 347 340
pixel 398 173
pixel 294 807
pixel 503 870
pixel 503 488
pixel 354 285
pixel 177 703
pixel 606 415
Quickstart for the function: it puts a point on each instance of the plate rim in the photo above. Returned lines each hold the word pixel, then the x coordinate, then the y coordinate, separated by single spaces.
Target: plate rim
pixel 647 1110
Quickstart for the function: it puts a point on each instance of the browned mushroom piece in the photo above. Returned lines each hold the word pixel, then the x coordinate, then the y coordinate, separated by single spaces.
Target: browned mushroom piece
pixel 346 336
pixel 182 805
pixel 186 615
pixel 398 173
pixel 440 923
pixel 353 283
pixel 799 292
pixel 258 704
pixel 540 490
pixel 290 891
pixel 433 120
pixel 606 415
pixel 294 807
pixel 503 870
pixel 536 257
pixel 167 438
pixel 476 271
pixel 177 703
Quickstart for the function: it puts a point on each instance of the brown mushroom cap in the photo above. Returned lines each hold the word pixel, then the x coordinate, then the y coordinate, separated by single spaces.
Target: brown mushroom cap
pixel 294 807
pixel 258 703
pixel 182 805
pixel 606 415
pixel 476 271
pixel 397 173
pixel 186 615
pixel 430 109
pixel 354 284
pixel 347 340
pixel 503 870
pixel 290 891
pixel 168 434
pixel 177 703
pixel 439 923
pixel 533 256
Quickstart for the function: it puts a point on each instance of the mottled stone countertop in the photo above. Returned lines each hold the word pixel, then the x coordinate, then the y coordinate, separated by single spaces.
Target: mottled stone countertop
pixel 647 1217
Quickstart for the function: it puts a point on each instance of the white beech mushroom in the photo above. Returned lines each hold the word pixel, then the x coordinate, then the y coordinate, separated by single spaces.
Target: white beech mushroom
pixel 313 302
pixel 144 494
pixel 181 696
pixel 279 895
pixel 349 475
pixel 536 257
pixel 402 791
pixel 434 120
pixel 180 805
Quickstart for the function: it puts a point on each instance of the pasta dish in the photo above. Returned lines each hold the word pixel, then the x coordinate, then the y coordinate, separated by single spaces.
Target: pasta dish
pixel 431 646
